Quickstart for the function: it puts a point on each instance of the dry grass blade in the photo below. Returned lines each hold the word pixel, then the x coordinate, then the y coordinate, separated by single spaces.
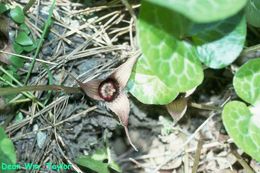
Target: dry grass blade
pixel 197 156
pixel 25 121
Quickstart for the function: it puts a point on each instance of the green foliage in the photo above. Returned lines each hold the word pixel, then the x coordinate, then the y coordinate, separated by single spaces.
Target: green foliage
pixel 92 164
pixel 175 37
pixel 17 48
pixel 17 15
pixel 11 70
pixel 7 151
pixel 19 117
pixel 24 28
pixel 253 12
pixel 243 122
pixel 7 78
pixel 167 60
pixel 99 162
pixel 203 10
pixel 47 26
pixel 247 81
pixel 16 61
pixel 174 49
pixel 243 125
pixel 23 39
pixel 230 32
pixel 145 85
pixel 30 48
pixel 3 8
pixel 155 16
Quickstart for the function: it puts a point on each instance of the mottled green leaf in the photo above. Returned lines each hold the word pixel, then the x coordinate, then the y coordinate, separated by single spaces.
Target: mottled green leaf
pixel 247 81
pixel 253 12
pixel 203 10
pixel 219 46
pixel 197 28
pixel 17 14
pixel 7 151
pixel 169 66
pixel 243 125
pixel 147 87
pixel 176 24
pixel 173 61
pixel 23 39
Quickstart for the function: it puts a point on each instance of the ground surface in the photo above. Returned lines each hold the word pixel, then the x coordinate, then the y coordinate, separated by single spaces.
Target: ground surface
pixel 90 40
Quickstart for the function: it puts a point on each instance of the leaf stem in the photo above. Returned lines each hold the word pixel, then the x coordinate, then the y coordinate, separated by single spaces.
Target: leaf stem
pixel 11 90
pixel 250 50
pixel 204 106
pixel 197 156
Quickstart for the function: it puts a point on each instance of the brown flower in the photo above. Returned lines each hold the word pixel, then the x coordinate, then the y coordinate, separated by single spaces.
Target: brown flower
pixel 111 91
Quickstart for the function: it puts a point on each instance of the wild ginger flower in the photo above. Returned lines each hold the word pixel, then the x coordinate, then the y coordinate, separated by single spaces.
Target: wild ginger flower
pixel 111 91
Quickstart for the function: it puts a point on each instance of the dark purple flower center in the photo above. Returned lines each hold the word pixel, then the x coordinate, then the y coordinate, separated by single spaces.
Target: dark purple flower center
pixel 108 89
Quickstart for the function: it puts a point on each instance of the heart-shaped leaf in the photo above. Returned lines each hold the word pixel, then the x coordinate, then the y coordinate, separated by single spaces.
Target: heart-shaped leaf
pixel 175 62
pixel 172 63
pixel 247 81
pixel 17 14
pixel 147 87
pixel 243 125
pixel 253 12
pixel 203 10
pixel 231 33
pixel 7 151
pixel 178 25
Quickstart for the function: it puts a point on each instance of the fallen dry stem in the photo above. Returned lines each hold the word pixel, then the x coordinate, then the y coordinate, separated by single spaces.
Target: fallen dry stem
pixel 242 162
pixel 197 156
pixel 28 58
